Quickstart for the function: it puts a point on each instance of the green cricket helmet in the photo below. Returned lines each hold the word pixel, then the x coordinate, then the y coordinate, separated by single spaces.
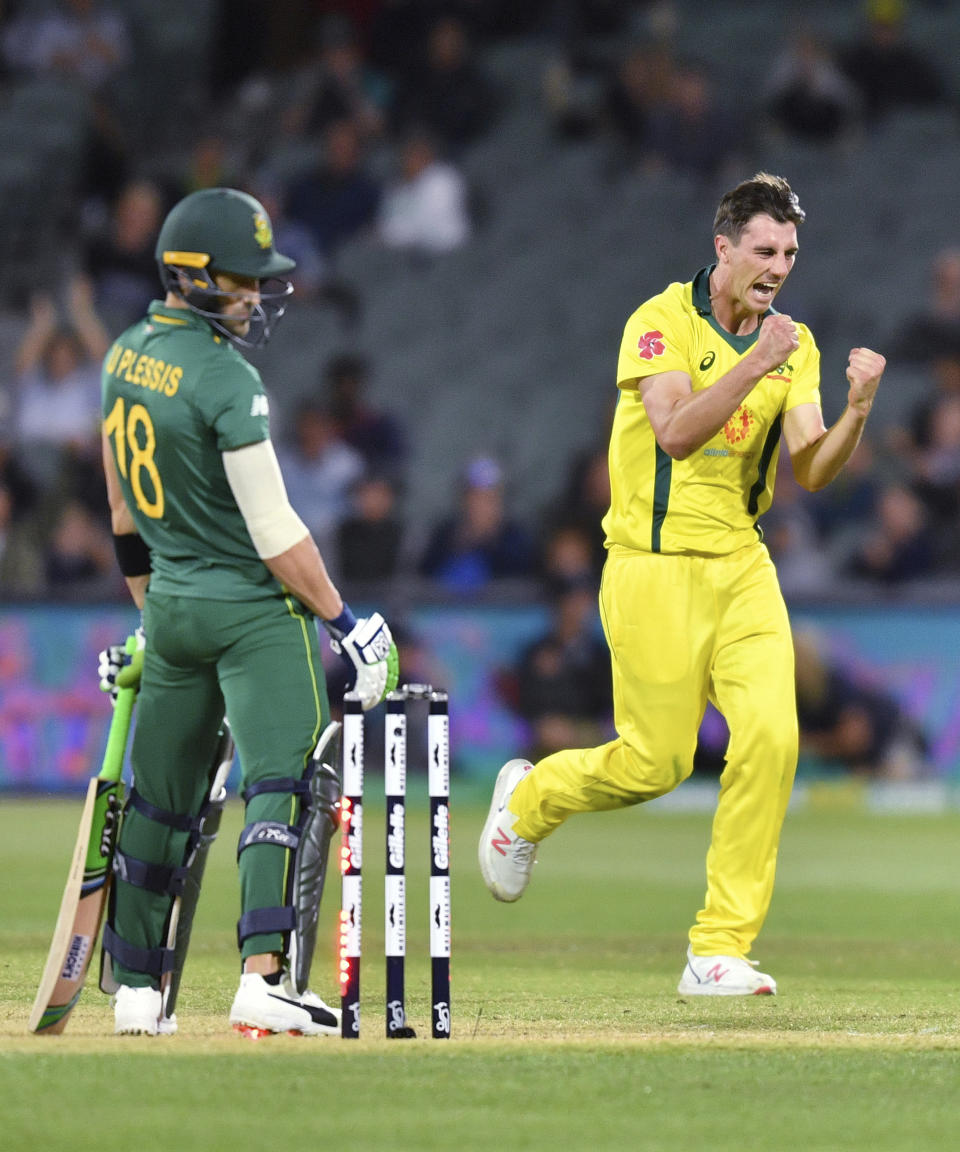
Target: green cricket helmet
pixel 223 230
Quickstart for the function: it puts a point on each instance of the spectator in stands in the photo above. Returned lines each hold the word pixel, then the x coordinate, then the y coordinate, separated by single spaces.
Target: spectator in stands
pixel 369 538
pixel 900 546
pixel 396 35
pixel 790 533
pixel 640 84
pixel 935 330
pixel 920 430
pixel 87 47
pixel 426 210
pixel 21 563
pixel 479 542
pixel 583 502
pixel 937 469
pixel 568 556
pixel 209 164
pixel 58 379
pixel 375 433
pixel 15 477
pixel 692 133
pixel 339 198
pixel 447 91
pixel 121 260
pixel 627 102
pixel 83 40
pixel 561 683
pixel 242 43
pixel 79 476
pixel 845 721
pixel 889 70
pixel 79 557
pixel 809 96
pixel 320 471
pixel 578 69
pixel 337 83
pixel 843 509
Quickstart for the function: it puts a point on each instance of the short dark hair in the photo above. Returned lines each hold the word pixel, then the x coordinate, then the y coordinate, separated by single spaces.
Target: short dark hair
pixel 763 195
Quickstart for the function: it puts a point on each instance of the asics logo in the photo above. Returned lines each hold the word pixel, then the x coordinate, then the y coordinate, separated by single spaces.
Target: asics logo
pixel 500 842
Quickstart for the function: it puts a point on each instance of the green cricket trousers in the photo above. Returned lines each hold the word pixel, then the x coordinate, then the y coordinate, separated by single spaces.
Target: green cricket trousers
pixel 258 661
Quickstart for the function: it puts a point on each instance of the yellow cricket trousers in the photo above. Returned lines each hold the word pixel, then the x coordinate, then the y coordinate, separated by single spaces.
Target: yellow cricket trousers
pixel 682 629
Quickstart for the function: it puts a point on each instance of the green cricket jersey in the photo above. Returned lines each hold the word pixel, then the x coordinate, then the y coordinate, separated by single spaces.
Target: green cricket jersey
pixel 175 396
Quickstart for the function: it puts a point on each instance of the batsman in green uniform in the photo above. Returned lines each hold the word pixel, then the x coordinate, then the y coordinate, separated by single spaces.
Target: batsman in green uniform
pixel 230 583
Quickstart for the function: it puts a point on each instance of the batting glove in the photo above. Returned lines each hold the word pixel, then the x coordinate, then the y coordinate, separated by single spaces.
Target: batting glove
pixel 120 665
pixel 367 646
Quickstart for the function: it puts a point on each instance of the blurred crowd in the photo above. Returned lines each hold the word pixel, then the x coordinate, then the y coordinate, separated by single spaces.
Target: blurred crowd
pixel 892 519
pixel 352 122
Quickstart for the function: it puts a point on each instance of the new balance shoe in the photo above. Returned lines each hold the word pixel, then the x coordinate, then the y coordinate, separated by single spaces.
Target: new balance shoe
pixel 506 859
pixel 139 1012
pixel 260 1008
pixel 724 976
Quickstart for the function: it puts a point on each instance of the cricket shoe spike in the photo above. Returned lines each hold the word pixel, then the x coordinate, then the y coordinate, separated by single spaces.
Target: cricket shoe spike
pixel 139 1012
pixel 261 1008
pixel 506 859
pixel 724 976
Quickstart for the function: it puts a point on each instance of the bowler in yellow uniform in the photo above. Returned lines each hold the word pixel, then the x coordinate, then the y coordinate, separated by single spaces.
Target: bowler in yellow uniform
pixel 712 379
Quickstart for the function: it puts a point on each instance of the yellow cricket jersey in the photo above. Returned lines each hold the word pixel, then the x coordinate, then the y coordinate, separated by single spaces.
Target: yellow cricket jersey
pixel 709 503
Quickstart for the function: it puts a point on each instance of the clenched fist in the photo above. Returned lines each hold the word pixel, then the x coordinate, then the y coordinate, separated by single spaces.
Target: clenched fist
pixel 864 369
pixel 778 338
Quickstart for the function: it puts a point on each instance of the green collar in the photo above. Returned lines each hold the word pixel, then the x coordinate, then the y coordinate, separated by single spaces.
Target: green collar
pixel 175 317
pixel 701 301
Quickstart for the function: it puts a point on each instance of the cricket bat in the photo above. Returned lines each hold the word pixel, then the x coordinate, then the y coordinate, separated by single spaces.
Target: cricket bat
pixel 88 883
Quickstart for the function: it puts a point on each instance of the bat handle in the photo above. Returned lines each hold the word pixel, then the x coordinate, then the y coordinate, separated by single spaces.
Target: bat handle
pixel 117 739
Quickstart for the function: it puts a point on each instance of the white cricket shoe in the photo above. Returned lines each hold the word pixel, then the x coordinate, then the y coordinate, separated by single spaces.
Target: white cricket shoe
pixel 138 1012
pixel 506 859
pixel 260 1008
pixel 724 976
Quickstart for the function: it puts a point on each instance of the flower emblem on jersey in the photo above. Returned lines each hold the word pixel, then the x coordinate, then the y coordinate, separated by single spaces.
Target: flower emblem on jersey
pixel 261 230
pixel 651 344
pixel 739 426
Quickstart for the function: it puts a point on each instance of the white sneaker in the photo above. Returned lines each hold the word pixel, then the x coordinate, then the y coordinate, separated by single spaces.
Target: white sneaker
pixel 260 1008
pixel 724 976
pixel 137 1012
pixel 506 859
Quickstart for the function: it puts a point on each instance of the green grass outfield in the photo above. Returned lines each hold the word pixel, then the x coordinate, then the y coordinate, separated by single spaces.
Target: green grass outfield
pixel 568 1032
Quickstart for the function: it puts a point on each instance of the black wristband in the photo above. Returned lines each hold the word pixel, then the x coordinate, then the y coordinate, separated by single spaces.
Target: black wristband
pixel 133 555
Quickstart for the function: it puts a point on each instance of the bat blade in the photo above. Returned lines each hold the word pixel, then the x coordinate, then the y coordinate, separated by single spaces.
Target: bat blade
pixel 88 884
pixel 81 909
